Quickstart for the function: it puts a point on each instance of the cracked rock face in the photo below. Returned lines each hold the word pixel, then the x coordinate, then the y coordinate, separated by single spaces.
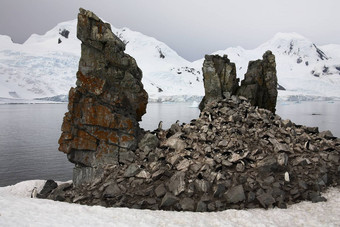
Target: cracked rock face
pixel 105 107
pixel 219 78
pixel 260 82
pixel 259 85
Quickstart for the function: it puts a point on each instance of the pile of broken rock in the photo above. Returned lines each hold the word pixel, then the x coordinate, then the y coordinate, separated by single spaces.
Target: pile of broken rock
pixel 234 155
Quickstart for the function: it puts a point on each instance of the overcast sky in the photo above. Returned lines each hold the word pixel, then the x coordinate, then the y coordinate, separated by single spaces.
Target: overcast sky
pixel 190 27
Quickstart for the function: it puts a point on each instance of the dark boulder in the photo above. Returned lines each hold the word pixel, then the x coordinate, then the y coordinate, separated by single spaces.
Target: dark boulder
pixel 49 186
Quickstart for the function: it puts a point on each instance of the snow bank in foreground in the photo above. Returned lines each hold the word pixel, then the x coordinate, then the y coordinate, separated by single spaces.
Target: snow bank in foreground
pixel 17 209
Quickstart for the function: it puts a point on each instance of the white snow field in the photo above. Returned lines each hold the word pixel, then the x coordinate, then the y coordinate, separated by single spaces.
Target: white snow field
pixel 43 68
pixel 18 209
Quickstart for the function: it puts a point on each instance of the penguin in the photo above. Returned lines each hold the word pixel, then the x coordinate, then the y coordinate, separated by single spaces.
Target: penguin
pixel 34 192
pixel 210 118
pixel 160 126
pixel 307 145
pixel 287 177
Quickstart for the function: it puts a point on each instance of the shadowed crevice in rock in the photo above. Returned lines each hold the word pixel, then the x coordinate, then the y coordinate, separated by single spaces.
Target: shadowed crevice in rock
pixel 105 107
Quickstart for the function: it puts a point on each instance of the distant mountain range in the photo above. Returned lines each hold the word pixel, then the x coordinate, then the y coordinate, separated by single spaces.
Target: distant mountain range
pixel 44 67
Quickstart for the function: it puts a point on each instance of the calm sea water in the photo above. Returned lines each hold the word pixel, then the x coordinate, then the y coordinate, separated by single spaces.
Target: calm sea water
pixel 29 133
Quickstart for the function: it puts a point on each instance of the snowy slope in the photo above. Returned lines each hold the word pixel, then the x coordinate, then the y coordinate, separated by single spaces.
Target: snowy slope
pixel 304 70
pixel 39 67
pixel 46 65
pixel 18 209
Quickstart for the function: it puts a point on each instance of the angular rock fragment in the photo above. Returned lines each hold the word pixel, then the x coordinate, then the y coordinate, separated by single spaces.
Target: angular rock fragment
pixel 235 194
pixel 168 200
pixel 266 200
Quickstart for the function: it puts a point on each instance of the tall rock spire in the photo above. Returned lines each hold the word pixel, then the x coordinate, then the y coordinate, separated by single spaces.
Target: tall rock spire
pixel 105 107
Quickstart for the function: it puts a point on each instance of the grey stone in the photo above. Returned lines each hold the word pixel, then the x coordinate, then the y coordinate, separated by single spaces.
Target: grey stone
pixel 266 200
pixel 251 197
pixel 126 156
pixel 177 183
pixel 132 170
pixel 268 163
pixel 219 191
pixel 201 206
pixel 187 204
pixel 183 165
pixel 149 140
pixel 287 123
pixel 160 190
pixel 112 190
pixel 49 186
pixel 235 194
pixel 143 174
pixel 326 134
pixel 202 185
pixel 168 200
pixel 312 130
pixel 317 199
pixel 175 142
pixel 85 175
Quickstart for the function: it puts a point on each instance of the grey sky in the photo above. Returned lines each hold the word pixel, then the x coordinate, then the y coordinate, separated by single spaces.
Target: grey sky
pixel 191 27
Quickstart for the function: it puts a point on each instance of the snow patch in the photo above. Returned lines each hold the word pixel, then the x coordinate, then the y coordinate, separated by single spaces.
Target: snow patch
pixel 18 209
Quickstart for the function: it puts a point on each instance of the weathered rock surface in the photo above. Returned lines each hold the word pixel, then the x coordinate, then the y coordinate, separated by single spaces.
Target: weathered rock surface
pixel 234 156
pixel 219 76
pixel 105 107
pixel 259 85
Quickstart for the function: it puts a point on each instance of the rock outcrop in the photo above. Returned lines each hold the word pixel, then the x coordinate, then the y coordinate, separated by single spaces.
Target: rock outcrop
pixel 219 77
pixel 260 82
pixel 105 107
pixel 234 155
pixel 259 85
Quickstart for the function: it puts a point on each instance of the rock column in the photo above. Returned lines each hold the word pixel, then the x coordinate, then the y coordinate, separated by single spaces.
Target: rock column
pixel 105 107
pixel 219 75
pixel 260 83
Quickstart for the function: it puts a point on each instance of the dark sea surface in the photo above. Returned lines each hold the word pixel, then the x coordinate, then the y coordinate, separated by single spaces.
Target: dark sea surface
pixel 29 133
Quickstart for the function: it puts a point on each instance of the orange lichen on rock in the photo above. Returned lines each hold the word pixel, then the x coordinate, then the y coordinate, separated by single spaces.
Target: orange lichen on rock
pixel 109 100
pixel 94 85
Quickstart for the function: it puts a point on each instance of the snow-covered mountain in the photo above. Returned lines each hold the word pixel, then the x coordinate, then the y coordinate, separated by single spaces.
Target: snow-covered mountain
pixel 46 65
pixel 305 70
